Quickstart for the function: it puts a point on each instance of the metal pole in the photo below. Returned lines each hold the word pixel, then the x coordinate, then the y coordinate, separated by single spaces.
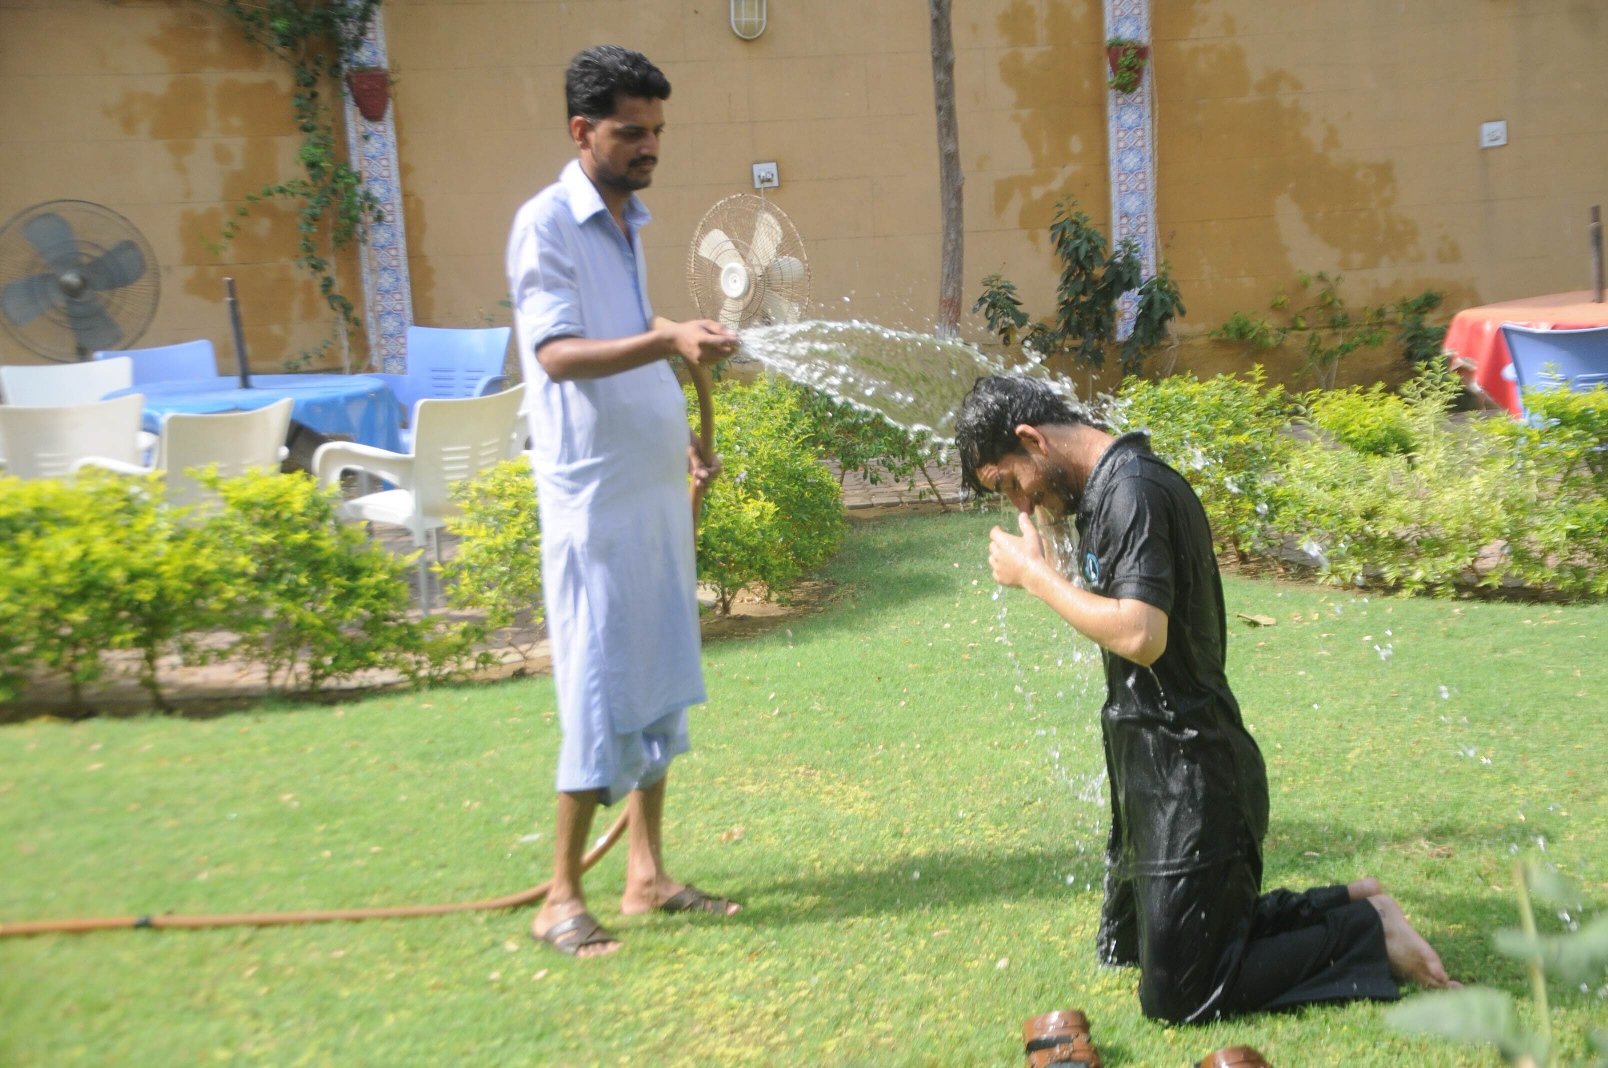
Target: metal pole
pixel 1596 253
pixel 239 335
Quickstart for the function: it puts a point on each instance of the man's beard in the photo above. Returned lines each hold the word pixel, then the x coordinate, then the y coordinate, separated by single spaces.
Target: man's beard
pixel 1059 485
pixel 624 181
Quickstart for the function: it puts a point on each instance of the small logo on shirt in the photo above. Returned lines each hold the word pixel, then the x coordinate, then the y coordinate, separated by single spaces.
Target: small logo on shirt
pixel 1091 568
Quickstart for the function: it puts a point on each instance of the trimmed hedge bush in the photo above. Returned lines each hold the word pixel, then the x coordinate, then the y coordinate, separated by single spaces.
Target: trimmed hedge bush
pixel 775 512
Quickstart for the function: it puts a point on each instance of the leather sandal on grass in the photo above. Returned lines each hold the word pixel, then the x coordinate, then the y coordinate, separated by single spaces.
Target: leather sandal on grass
pixel 1076 1052
pixel 1235 1057
pixel 571 935
pixel 1059 1040
pixel 691 899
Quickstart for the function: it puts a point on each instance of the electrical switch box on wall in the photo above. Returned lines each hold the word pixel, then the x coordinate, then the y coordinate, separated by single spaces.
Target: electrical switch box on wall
pixel 766 176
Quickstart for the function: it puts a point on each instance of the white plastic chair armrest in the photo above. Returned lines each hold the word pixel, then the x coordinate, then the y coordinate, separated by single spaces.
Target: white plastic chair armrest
pixel 122 467
pixel 334 457
pixel 491 384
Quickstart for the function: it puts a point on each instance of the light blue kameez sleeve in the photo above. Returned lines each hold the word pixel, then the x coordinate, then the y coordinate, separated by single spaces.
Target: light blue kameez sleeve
pixel 546 292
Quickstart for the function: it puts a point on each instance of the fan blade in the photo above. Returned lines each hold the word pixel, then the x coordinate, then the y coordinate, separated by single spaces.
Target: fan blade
pixel 775 308
pixel 93 329
pixel 731 312
pixel 767 236
pixel 27 298
pixel 718 249
pixel 784 271
pixel 115 268
pixel 53 239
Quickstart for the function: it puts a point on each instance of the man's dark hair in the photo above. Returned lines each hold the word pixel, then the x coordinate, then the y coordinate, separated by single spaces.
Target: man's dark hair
pixel 599 75
pixel 985 429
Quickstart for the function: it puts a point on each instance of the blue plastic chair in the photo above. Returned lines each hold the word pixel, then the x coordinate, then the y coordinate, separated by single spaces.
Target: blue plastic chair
pixel 449 362
pixel 166 363
pixel 1549 359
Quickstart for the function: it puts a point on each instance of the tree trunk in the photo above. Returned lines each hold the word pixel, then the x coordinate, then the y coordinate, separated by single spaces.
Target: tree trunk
pixel 950 180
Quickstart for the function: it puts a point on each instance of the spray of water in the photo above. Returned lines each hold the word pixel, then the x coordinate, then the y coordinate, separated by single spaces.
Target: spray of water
pixel 916 381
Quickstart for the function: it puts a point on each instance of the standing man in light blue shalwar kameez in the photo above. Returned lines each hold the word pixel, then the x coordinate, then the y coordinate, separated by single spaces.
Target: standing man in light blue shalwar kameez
pixel 611 455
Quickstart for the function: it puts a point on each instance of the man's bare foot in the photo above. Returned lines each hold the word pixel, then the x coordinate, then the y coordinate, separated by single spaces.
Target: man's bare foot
pixel 668 896
pixel 1364 888
pixel 1411 957
pixel 547 926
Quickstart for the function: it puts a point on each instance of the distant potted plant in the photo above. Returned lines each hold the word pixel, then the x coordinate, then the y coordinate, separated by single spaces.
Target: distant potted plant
pixel 1127 59
pixel 371 91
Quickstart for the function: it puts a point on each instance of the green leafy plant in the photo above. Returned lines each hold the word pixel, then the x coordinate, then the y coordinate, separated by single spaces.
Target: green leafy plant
pixel 1329 330
pixel 497 569
pixel 1000 308
pixel 1128 67
pixel 97 566
pixel 319 601
pixel 776 512
pixel 1227 435
pixel 867 444
pixel 1373 420
pixel 1486 1016
pixel 1421 343
pixel 1091 281
pixel 333 207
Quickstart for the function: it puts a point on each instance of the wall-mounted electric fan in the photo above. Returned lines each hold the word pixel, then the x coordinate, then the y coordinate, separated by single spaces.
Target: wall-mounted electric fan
pixel 75 277
pixel 746 266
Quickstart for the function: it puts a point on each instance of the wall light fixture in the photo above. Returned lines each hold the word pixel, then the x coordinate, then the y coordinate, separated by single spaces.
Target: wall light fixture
pixel 748 18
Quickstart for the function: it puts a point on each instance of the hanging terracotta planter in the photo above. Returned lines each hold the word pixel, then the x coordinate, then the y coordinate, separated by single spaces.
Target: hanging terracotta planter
pixel 371 91
pixel 1127 60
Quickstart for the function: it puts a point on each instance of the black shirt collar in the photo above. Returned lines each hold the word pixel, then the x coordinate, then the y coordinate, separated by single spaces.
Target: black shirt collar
pixel 1106 467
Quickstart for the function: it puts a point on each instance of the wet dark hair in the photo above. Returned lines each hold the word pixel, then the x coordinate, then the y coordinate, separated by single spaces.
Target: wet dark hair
pixel 598 76
pixel 985 429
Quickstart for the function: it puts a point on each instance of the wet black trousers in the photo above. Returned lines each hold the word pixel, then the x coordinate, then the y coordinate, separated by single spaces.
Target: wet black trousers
pixel 1208 944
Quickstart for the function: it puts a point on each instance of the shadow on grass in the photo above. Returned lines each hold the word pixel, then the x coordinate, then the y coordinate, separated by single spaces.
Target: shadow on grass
pixel 947 879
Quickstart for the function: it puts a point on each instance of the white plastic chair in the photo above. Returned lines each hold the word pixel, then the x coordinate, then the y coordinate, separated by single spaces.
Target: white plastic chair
pixel 163 363
pixel 452 440
pixel 449 362
pixel 58 384
pixel 236 442
pixel 49 442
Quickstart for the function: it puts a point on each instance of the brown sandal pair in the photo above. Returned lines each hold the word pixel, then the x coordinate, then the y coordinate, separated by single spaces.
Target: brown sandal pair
pixel 1061 1040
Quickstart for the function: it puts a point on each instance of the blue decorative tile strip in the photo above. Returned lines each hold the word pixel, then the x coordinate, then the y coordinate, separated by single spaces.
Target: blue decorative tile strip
pixel 387 290
pixel 1131 151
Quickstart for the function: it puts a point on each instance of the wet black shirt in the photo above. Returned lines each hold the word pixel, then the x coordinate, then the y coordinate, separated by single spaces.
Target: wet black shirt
pixel 1188 784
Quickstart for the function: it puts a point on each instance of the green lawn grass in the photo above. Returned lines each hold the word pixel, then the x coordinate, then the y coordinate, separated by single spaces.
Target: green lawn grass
pixel 903 786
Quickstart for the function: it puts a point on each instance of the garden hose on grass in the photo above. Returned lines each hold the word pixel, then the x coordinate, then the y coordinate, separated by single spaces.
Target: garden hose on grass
pixel 706 446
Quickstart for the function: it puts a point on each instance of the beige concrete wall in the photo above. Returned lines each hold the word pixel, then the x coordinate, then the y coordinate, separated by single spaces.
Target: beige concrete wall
pixel 837 92
pixel 161 111
pixel 1337 138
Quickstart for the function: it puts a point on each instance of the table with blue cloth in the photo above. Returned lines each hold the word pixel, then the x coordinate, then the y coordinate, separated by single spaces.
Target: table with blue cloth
pixel 352 407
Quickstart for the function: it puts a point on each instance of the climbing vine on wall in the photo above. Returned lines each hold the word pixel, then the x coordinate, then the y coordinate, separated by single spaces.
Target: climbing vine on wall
pixel 318 40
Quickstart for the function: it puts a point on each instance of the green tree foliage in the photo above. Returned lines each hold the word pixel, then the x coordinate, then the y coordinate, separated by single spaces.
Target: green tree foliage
pixel 1090 281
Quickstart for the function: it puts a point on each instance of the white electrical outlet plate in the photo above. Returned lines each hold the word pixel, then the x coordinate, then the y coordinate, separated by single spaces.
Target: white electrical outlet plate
pixel 1493 134
pixel 766 176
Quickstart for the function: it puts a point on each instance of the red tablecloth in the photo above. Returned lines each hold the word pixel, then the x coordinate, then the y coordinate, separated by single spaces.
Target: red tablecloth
pixel 1477 350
